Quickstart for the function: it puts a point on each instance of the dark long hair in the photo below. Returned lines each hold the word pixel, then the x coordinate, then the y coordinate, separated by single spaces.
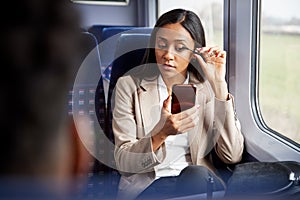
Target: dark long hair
pixel 191 22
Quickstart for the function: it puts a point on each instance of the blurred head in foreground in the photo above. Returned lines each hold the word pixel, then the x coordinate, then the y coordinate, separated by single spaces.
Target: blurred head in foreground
pixel 39 145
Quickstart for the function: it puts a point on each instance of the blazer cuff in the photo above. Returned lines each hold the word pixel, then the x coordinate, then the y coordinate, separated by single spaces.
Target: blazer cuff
pixel 225 109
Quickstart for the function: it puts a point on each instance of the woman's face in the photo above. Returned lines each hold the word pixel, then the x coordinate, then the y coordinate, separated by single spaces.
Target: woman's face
pixel 171 54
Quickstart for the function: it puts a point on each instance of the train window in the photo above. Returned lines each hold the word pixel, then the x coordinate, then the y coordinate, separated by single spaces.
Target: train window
pixel 279 67
pixel 210 13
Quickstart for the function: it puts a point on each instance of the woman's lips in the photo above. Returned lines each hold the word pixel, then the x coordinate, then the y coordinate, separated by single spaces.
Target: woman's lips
pixel 168 67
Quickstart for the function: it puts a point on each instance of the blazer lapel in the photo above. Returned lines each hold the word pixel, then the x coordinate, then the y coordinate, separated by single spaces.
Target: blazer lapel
pixel 196 140
pixel 195 133
pixel 149 102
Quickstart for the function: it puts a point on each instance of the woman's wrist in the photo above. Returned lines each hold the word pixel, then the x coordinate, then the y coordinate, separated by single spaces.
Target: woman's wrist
pixel 159 137
pixel 221 90
pixel 157 140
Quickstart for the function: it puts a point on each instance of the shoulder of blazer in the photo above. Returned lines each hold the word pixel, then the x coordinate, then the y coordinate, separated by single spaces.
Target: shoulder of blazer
pixel 147 82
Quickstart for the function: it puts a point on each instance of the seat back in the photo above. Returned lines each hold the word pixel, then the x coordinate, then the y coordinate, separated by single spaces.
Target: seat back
pixel 129 54
pixel 88 56
pixel 123 62
pixel 108 32
pixel 99 30
pixel 82 102
pixel 109 40
pixel 136 44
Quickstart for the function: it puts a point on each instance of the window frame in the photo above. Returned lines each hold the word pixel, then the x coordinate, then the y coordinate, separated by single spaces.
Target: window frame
pixel 257 12
pixel 241 41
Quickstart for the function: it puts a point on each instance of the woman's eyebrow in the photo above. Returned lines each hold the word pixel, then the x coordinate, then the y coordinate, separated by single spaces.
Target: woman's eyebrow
pixel 176 40
pixel 162 38
pixel 181 40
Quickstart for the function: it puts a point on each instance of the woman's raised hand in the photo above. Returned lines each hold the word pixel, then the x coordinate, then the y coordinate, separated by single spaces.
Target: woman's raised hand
pixel 213 64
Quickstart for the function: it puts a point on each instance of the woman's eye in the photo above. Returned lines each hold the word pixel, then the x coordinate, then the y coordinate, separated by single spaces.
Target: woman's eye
pixel 162 45
pixel 180 48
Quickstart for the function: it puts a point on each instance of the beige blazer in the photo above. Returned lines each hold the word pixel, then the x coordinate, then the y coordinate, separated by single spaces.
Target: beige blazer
pixel 136 111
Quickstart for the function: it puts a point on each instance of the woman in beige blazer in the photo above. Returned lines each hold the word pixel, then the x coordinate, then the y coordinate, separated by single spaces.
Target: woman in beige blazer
pixel 159 153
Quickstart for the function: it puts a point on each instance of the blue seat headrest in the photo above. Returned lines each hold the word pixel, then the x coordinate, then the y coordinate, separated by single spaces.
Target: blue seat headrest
pixel 129 54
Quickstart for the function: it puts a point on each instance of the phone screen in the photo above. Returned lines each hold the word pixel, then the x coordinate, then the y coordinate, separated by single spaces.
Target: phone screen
pixel 183 97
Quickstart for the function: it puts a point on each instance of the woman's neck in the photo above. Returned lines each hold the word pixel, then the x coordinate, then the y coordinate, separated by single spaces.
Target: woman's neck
pixel 170 81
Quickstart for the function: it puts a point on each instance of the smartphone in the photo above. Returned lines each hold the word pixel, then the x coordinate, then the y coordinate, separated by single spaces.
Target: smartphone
pixel 183 97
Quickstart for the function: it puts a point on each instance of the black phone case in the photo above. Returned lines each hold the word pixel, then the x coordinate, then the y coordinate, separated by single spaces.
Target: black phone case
pixel 183 97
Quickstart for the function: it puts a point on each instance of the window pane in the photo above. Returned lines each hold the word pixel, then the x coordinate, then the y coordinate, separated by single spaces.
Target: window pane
pixel 279 81
pixel 210 13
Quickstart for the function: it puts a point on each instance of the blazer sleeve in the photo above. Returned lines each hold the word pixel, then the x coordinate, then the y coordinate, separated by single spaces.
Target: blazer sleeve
pixel 133 154
pixel 230 144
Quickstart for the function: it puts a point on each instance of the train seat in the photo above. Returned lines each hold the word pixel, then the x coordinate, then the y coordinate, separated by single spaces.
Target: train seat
pixel 109 38
pixel 88 56
pixel 107 48
pixel 99 29
pixel 129 53
pixel 81 102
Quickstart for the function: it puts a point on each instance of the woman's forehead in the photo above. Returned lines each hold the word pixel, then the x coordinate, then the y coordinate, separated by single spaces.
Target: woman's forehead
pixel 174 32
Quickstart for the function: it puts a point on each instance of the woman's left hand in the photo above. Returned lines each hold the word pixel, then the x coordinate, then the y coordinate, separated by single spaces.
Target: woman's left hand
pixel 213 64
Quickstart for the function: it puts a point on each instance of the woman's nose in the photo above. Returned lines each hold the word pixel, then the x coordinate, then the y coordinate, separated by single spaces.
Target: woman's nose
pixel 168 55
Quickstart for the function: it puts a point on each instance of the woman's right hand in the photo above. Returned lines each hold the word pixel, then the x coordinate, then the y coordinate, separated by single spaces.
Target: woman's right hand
pixel 173 124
